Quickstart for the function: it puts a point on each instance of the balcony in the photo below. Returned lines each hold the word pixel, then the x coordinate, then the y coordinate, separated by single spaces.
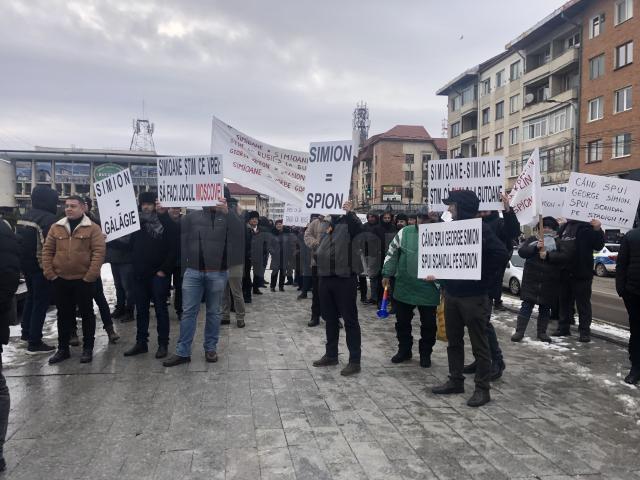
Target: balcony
pixel 537 108
pixel 469 136
pixel 469 107
pixel 570 56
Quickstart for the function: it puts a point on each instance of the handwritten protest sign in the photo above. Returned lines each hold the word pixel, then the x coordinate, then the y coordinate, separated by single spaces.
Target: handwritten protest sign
pixel 482 175
pixel 451 251
pixel 553 200
pixel 190 181
pixel 328 177
pixel 117 204
pixel 294 217
pixel 525 197
pixel 611 200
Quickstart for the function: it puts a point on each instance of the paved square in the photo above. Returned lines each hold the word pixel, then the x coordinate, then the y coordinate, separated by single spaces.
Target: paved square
pixel 263 412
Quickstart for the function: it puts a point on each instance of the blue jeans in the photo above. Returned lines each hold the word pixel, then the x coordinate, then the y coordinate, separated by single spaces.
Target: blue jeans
pixel 123 281
pixel 146 289
pixel 194 285
pixel 544 312
pixel 35 307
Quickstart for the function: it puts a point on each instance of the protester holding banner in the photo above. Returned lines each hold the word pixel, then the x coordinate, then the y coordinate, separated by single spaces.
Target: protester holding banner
pixel 72 256
pixel 154 256
pixel 207 236
pixel 338 263
pixel 32 230
pixel 580 240
pixel 628 287
pixel 410 293
pixel 312 237
pixel 467 304
pixel 175 214
pixel 385 231
pixel 540 279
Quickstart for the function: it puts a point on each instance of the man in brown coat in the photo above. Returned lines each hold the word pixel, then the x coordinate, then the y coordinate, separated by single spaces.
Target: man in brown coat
pixel 72 256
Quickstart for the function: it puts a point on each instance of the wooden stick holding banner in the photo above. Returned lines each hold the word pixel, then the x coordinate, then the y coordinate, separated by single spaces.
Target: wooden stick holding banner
pixel 541 231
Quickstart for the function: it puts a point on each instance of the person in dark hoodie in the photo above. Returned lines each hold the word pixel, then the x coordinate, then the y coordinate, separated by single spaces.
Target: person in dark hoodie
pixel 579 240
pixel 371 246
pixel 540 279
pixel 386 232
pixel 467 304
pixel 338 258
pixel 9 280
pixel 32 230
pixel 628 287
pixel 154 256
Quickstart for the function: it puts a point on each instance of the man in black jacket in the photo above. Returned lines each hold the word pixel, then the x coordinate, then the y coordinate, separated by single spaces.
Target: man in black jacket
pixel 338 258
pixel 467 304
pixel 371 247
pixel 32 231
pixel 580 239
pixel 207 252
pixel 628 287
pixel 154 252
pixel 9 279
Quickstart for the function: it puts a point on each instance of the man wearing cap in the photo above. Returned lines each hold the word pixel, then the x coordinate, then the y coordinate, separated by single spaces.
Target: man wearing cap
pixel 410 292
pixel 467 304
pixel 154 256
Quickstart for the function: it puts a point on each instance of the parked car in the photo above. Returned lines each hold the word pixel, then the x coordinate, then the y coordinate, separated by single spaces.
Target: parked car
pixel 604 261
pixel 513 274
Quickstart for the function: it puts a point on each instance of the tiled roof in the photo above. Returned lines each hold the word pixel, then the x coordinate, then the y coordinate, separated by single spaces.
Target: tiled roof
pixel 441 144
pixel 237 189
pixel 406 132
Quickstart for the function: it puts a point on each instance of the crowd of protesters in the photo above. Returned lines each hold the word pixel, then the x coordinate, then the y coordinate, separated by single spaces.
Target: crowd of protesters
pixel 219 255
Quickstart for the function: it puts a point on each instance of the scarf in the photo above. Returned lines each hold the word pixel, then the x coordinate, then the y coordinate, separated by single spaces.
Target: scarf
pixel 151 224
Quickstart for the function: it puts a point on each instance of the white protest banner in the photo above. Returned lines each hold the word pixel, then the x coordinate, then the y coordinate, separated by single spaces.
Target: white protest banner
pixel 190 181
pixel 270 170
pixel 611 200
pixel 482 175
pixel 553 200
pixel 117 204
pixel 328 176
pixel 451 251
pixel 294 217
pixel 525 197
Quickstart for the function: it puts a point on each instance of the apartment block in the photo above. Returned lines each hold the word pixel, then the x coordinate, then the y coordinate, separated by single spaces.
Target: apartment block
pixel 610 115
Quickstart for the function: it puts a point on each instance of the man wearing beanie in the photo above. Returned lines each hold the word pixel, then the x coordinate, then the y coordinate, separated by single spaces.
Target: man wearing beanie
pixel 154 256
pixel 467 304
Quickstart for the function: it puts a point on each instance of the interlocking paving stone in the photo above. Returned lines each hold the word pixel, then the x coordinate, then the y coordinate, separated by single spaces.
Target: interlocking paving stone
pixel 559 412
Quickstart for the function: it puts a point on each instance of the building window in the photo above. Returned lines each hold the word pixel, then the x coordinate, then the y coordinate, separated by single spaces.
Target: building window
pixel 485 116
pixel 514 169
pixel 624 55
pixel 408 159
pixel 515 70
pixel 544 160
pixel 455 129
pixel 456 103
pixel 455 152
pixel 514 134
pixel 596 25
pixel 559 120
pixel 408 176
pixel 43 172
pixel 499 145
pixel 596 109
pixel 594 151
pixel 468 95
pixel 623 11
pixel 514 103
pixel 573 41
pixel 596 67
pixel 485 87
pixel 23 171
pixel 426 157
pixel 535 128
pixel 622 100
pixel 500 78
pixel 485 146
pixel 499 110
pixel 622 145
pixel 408 193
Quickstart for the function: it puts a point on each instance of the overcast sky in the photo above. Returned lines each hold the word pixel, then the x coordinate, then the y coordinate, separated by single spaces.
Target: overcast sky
pixel 286 72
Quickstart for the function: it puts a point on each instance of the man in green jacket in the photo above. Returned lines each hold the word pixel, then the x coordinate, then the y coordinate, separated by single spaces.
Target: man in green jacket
pixel 410 292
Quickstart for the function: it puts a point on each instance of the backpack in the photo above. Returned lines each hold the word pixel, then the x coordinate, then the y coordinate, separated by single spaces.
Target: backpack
pixel 39 237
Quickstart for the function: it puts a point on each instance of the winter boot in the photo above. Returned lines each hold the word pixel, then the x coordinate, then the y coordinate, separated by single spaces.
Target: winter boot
pixel 87 356
pixel 448 388
pixel 350 369
pixel 543 336
pixel 479 398
pixel 471 368
pixel 118 312
pixel 402 356
pixel 127 316
pixel 113 335
pixel 521 327
pixel 633 377
pixel 314 322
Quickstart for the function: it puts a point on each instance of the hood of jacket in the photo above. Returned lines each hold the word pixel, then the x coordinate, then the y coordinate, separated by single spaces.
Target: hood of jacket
pixel 45 198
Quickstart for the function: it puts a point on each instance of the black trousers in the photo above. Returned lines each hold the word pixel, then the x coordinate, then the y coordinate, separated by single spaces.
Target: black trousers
pixel 632 302
pixel 338 299
pixel 103 305
pixel 315 291
pixel 404 316
pixel 247 285
pixel 362 281
pixel 70 294
pixel 472 313
pixel 274 278
pixel 578 291
pixel 176 276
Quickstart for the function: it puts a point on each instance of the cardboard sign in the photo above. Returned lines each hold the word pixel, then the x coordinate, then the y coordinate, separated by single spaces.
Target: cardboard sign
pixel 328 177
pixel 190 181
pixel 525 197
pixel 611 200
pixel 451 251
pixel 294 217
pixel 117 204
pixel 273 171
pixel 553 200
pixel 482 175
